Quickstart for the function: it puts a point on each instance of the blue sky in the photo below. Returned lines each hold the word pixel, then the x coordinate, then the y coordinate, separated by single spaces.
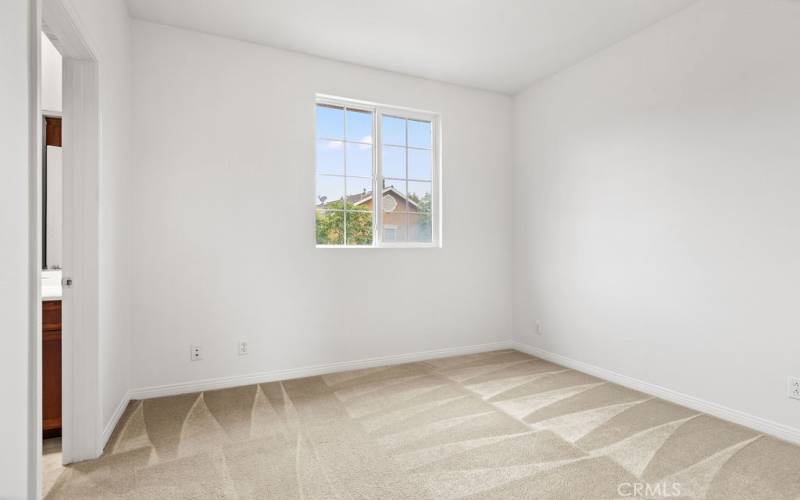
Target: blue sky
pixel 333 145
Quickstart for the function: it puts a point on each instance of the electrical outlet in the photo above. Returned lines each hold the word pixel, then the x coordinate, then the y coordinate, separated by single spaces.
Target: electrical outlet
pixel 539 330
pixel 242 347
pixel 195 353
pixel 794 388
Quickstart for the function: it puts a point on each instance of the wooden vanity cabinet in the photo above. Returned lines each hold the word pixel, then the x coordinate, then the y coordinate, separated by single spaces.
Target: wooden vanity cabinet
pixel 51 368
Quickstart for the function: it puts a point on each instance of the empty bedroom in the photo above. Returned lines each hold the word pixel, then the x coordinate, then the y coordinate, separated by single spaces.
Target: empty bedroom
pixel 535 249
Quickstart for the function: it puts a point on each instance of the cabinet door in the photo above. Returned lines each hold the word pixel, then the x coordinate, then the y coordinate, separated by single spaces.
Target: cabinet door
pixel 51 368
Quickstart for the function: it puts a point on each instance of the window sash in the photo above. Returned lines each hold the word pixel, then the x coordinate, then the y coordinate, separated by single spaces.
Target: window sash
pixel 378 111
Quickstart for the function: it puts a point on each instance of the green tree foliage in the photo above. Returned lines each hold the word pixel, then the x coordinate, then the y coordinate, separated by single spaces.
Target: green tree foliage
pixel 331 224
pixel 339 218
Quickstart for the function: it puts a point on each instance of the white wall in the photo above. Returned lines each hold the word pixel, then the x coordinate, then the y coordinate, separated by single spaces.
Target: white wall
pixel 223 226
pixel 106 26
pixel 51 98
pixel 17 226
pixel 657 211
pixel 51 76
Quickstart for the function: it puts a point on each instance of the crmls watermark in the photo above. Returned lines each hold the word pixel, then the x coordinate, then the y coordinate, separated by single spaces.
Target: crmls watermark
pixel 649 490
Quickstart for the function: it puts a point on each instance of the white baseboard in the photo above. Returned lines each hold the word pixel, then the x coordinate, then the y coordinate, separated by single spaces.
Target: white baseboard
pixel 775 429
pixel 112 422
pixel 308 371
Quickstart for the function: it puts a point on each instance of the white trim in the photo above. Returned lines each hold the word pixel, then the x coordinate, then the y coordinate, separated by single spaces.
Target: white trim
pixel 82 426
pixel 61 24
pixel 112 422
pixel 409 244
pixel 81 418
pixel 309 371
pixel 770 427
pixel 333 100
pixel 34 292
pixel 379 111
pixel 384 246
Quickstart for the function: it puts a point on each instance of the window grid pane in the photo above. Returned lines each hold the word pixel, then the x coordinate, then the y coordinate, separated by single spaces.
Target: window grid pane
pixel 345 175
pixel 393 131
pixel 420 195
pixel 420 164
pixel 330 122
pixel 330 227
pixel 330 190
pixel 359 193
pixel 411 220
pixel 395 227
pixel 358 227
pixel 330 157
pixel 359 126
pixel 358 159
pixel 420 134
pixel 346 201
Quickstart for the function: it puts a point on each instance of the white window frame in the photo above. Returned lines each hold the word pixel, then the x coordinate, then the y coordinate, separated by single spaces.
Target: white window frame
pixel 378 111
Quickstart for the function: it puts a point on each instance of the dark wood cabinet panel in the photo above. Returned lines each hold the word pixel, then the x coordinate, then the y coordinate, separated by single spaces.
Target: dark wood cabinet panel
pixel 52 132
pixel 51 368
pixel 51 315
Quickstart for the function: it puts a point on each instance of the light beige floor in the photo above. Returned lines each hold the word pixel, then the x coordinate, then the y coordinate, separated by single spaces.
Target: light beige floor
pixel 492 425
pixel 51 463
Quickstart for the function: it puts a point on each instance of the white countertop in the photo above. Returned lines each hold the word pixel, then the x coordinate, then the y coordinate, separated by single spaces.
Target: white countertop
pixel 51 285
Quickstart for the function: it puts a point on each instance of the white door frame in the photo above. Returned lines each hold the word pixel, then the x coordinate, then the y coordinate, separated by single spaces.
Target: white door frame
pixel 81 409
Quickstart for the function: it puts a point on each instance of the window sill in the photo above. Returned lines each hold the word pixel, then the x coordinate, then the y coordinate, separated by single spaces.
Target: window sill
pixel 380 247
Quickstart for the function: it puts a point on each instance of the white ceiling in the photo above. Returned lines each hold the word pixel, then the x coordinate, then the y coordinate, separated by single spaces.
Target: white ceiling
pixel 501 45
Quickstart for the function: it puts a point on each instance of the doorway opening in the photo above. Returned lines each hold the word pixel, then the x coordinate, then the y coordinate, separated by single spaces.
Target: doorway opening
pixel 52 187
pixel 70 419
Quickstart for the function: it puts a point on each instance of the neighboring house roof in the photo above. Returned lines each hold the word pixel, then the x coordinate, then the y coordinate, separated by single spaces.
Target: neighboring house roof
pixel 358 199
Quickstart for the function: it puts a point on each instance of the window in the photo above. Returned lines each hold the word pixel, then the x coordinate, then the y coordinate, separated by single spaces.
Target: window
pixel 389 232
pixel 362 146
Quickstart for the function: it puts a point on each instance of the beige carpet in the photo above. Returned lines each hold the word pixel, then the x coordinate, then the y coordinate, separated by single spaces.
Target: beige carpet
pixel 51 462
pixel 493 425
